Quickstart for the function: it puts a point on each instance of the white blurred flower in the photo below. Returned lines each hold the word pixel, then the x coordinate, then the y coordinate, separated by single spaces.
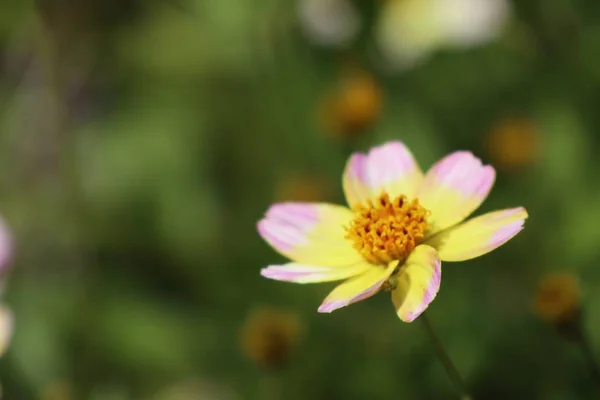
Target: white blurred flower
pixel 409 31
pixel 472 22
pixel 329 23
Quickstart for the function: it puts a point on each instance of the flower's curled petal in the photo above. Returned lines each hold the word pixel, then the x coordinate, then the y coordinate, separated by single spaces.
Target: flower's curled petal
pixel 417 283
pixel 309 233
pixel 356 180
pixel 389 168
pixel 358 288
pixel 302 273
pixel 479 235
pixel 455 187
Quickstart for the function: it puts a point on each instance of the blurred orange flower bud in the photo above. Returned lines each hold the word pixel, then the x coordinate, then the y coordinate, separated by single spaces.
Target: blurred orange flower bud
pixel 513 143
pixel 269 336
pixel 558 302
pixel 353 106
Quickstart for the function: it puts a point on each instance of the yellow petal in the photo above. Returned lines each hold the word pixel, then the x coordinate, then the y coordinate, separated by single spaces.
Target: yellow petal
pixel 310 233
pixel 389 168
pixel 359 288
pixel 455 187
pixel 417 283
pixel 479 235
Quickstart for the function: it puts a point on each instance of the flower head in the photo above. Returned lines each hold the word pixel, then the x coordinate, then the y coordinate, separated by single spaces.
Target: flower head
pixel 6 246
pixel 513 143
pixel 558 298
pixel 399 226
pixel 353 106
pixel 408 32
pixel 269 335
pixel 329 23
pixel 6 328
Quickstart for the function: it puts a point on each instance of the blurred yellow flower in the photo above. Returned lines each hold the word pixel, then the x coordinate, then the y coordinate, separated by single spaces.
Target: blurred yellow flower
pixel 513 143
pixel 407 32
pixel 302 187
pixel 269 335
pixel 353 106
pixel 558 298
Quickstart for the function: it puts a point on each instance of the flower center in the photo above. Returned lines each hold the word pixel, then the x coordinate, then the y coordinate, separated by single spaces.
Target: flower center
pixel 385 230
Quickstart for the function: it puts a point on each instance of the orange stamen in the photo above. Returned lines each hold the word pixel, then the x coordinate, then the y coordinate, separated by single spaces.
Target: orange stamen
pixel 384 230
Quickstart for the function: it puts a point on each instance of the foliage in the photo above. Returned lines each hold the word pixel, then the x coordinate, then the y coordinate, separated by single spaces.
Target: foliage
pixel 142 140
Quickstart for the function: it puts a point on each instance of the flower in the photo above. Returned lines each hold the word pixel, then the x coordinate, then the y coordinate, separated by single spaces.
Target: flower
pixel 558 298
pixel 408 32
pixel 513 143
pixel 6 246
pixel 400 226
pixel 6 328
pixel 472 22
pixel 269 335
pixel 329 23
pixel 353 106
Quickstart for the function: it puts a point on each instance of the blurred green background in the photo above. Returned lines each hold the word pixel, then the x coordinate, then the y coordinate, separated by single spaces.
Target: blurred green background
pixel 141 141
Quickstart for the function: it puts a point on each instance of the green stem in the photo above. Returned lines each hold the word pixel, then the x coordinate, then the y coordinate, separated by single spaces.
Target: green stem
pixel 270 386
pixel 445 359
pixel 588 353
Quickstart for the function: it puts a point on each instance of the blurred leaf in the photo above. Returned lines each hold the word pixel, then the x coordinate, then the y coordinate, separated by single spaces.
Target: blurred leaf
pixel 565 147
pixel 142 335
pixel 215 35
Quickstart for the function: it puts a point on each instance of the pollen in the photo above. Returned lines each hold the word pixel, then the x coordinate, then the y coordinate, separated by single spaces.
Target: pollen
pixel 384 230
